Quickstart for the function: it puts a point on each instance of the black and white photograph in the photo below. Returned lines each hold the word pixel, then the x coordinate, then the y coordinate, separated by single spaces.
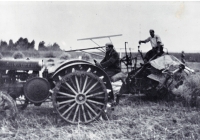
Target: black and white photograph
pixel 99 70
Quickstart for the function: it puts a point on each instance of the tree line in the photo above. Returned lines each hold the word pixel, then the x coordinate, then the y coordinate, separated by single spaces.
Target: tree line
pixel 22 44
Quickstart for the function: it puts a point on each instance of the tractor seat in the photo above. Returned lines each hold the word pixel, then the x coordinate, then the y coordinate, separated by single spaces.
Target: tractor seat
pixel 119 76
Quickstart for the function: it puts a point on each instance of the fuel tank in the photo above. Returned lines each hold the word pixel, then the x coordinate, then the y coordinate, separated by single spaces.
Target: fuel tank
pixel 19 64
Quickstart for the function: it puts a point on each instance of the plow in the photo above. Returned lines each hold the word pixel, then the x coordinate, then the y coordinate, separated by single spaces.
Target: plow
pixel 80 91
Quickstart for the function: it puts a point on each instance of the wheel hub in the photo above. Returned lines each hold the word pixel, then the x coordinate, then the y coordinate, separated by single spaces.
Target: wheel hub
pixel 80 98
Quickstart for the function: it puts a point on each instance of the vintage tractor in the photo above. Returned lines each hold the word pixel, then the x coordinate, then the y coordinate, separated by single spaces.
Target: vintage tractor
pixel 79 90
pixel 157 78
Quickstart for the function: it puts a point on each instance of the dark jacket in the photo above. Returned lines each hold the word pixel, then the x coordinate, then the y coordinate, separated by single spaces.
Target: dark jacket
pixel 111 61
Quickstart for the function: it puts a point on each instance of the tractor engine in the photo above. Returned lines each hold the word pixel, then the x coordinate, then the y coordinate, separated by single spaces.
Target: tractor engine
pixel 22 77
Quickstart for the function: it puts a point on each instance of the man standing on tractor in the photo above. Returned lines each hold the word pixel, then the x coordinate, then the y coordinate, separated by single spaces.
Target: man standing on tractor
pixel 157 46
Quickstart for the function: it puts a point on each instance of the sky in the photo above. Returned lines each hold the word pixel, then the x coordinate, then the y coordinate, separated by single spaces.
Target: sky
pixel 176 22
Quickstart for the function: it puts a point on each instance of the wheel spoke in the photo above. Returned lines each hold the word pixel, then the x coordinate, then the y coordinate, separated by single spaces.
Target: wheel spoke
pixel 89 114
pixel 71 88
pixel 66 94
pixel 89 84
pixel 66 88
pixel 68 109
pixel 91 109
pixel 79 115
pixel 73 84
pixel 92 95
pixel 62 97
pixel 77 84
pixel 69 114
pixel 64 102
pixel 91 88
pixel 61 107
pixel 81 83
pixel 96 107
pixel 91 101
pixel 75 114
pixel 84 112
pixel 85 84
pixel 94 89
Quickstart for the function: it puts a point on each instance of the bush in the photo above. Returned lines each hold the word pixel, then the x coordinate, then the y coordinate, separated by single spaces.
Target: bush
pixel 18 55
pixel 65 56
pixel 7 53
pixel 86 57
pixel 32 53
pixel 27 53
pixel 49 55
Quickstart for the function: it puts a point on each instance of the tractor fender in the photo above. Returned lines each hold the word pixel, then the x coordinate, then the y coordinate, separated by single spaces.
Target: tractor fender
pixel 67 62
pixel 53 69
pixel 81 65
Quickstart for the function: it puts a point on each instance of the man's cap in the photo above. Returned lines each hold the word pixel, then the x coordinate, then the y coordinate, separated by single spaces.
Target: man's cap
pixel 108 44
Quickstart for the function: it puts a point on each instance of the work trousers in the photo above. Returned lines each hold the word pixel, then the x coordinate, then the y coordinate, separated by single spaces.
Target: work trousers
pixel 150 54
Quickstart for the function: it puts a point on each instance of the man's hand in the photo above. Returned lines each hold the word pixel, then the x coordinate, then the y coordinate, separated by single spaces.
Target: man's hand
pixel 140 42
pixel 98 65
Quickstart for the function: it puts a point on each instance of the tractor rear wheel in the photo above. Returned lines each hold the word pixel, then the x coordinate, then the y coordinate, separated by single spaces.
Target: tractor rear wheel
pixel 8 108
pixel 80 97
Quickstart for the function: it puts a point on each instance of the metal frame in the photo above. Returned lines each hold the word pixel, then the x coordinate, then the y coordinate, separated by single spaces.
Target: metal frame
pixel 99 37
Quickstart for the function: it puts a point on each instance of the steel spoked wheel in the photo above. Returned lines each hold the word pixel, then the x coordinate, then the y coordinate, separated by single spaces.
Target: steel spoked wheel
pixel 8 108
pixel 80 97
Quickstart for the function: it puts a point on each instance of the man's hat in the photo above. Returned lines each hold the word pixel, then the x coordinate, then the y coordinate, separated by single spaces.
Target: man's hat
pixel 107 44
pixel 110 45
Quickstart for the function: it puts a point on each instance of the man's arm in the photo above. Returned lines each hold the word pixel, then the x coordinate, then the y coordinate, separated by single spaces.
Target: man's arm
pixel 103 60
pixel 141 42
pixel 144 41
pixel 109 62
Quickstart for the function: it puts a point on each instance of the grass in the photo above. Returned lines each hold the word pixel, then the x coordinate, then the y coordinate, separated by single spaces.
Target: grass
pixel 134 118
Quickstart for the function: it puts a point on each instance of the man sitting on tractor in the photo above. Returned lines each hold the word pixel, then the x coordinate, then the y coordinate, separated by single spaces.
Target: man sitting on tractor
pixel 111 64
pixel 157 46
